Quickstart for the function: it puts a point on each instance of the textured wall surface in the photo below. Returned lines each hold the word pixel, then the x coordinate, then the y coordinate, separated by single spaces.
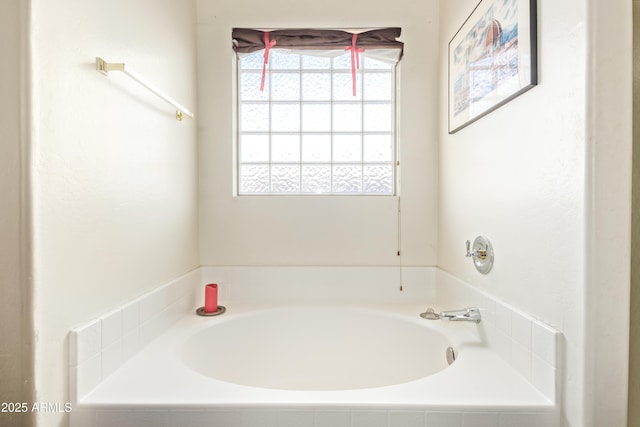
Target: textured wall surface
pixel 115 181
pixel 546 178
pixel 329 230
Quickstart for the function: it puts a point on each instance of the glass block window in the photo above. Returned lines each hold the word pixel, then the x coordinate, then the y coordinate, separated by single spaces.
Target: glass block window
pixel 307 133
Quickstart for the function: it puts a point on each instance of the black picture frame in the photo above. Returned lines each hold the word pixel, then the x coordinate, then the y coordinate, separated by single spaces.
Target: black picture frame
pixel 493 59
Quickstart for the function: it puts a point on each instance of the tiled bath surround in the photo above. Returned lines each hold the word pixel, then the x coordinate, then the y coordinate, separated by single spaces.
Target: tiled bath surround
pixel 308 418
pixel 530 346
pixel 100 347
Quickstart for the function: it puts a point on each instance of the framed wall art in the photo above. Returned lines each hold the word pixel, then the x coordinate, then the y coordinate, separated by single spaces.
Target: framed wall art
pixel 492 59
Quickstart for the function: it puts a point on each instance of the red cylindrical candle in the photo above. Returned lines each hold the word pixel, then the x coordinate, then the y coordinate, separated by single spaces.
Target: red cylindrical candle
pixel 211 298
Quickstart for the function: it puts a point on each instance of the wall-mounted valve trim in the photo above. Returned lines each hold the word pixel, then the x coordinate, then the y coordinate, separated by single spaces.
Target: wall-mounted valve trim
pixel 482 254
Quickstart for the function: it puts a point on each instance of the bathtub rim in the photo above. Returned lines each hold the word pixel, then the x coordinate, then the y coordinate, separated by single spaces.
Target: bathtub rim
pixel 115 391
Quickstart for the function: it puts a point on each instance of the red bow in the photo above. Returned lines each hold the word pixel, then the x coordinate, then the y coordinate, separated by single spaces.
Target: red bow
pixel 268 44
pixel 355 59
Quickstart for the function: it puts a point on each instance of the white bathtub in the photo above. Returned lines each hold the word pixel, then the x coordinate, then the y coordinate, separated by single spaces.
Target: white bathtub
pixel 281 366
pixel 317 348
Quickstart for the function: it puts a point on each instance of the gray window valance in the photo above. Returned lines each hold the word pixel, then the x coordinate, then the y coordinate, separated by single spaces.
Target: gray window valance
pixel 246 40
pixel 381 44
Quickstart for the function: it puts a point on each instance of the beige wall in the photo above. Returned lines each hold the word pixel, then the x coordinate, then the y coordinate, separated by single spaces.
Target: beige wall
pixel 608 207
pixel 15 326
pixel 292 230
pixel 115 181
pixel 634 333
pixel 547 179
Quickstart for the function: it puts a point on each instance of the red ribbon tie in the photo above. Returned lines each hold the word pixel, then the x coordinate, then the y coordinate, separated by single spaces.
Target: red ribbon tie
pixel 268 44
pixel 355 59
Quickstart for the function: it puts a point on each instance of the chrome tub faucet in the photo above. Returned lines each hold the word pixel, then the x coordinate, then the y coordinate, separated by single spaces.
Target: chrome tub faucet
pixel 470 314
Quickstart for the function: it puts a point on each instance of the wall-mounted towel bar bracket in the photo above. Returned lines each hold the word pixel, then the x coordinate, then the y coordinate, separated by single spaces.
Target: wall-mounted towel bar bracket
pixel 104 67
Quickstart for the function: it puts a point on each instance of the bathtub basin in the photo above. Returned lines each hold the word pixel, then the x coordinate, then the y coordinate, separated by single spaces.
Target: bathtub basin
pixel 317 349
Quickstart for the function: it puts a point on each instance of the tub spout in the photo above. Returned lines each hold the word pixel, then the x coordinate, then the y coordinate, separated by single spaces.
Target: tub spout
pixel 471 314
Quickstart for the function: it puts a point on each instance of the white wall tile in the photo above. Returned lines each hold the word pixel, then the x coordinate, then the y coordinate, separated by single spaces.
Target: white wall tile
pixel 521 359
pixel 296 419
pixel 221 418
pixel 406 419
pixel 549 419
pixel 111 328
pixel 480 419
pixel 419 283
pixel 144 418
pixel 73 384
pixel 82 418
pixel 88 341
pixel 444 419
pixel 521 420
pixel 490 333
pixel 231 282
pixel 130 344
pixel 264 418
pixel 113 418
pixel 503 345
pixel 417 276
pixel 189 418
pixel 89 374
pixel 521 330
pixel 163 297
pixel 117 336
pixel 369 419
pixel 159 300
pixel 514 335
pixel 169 316
pixel 329 418
pixel 111 358
pixel 544 342
pixel 187 305
pixel 543 377
pixel 503 319
pixel 130 317
pixel 176 289
pixel 148 308
pixel 488 309
pixel 149 330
